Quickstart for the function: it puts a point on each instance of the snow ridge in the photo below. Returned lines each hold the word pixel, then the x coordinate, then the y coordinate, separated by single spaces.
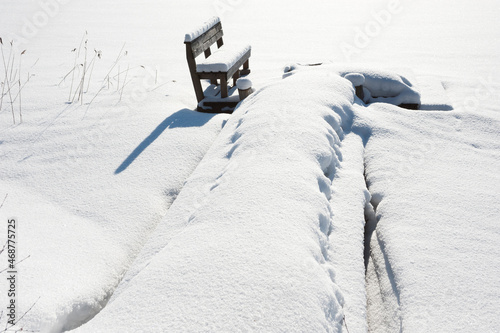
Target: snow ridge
pixel 226 257
pixel 379 86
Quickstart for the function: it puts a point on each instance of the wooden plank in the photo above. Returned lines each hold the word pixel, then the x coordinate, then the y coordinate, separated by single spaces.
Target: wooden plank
pixel 359 92
pixel 213 75
pixel 200 44
pixel 198 89
pixel 246 68
pixel 238 64
pixel 223 88
pixel 207 34
pixel 199 48
pixel 236 76
pixel 220 43
pixel 208 53
pixel 218 107
pixel 410 106
pixel 227 75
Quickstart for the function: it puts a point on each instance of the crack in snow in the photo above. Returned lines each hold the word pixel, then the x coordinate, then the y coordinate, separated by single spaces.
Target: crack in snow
pixel 383 301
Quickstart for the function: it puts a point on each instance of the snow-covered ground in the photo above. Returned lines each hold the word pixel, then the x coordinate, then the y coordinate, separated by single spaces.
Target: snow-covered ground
pixel 133 208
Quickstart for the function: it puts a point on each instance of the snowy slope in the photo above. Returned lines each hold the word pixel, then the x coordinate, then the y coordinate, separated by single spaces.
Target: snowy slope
pixel 245 245
pixel 89 184
pixel 435 185
pixel 104 188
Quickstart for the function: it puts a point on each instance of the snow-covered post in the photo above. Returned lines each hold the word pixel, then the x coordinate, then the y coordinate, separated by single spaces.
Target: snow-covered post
pixel 244 88
pixel 359 92
pixel 357 80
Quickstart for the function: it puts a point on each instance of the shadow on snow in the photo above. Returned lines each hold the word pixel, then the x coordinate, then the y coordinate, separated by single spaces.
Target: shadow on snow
pixel 182 118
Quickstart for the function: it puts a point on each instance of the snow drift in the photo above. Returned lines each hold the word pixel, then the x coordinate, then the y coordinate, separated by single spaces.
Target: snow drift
pixel 379 85
pixel 245 245
pixel 433 175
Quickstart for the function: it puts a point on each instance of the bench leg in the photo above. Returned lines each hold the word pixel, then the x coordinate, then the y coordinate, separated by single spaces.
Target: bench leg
pixel 236 76
pixel 198 89
pixel 223 88
pixel 246 68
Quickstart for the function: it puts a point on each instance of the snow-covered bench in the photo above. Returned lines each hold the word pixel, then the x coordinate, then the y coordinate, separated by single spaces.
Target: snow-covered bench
pixel 222 65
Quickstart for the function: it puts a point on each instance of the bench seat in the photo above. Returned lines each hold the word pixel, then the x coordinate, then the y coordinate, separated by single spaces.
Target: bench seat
pixel 223 59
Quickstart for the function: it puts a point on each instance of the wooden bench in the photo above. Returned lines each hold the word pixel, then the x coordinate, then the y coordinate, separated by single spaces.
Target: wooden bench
pixel 221 65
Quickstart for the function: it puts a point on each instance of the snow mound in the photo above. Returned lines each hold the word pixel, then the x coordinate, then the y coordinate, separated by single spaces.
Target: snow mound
pixel 356 79
pixel 84 201
pixel 379 86
pixel 201 29
pixel 435 257
pixel 245 245
pixel 59 305
pixel 244 83
pixel 387 87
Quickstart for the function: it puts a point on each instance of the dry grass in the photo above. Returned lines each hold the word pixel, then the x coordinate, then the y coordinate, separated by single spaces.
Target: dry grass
pixel 12 80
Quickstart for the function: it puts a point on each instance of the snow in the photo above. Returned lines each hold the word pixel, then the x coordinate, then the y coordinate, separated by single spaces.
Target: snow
pixel 130 202
pixel 201 29
pixel 440 250
pixel 357 79
pixel 70 246
pixel 348 201
pixel 433 94
pixel 237 262
pixel 388 87
pixel 379 85
pixel 244 83
pixel 79 195
pixel 222 59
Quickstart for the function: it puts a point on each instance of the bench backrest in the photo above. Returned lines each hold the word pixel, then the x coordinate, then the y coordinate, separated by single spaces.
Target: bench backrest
pixel 198 42
pixel 202 43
